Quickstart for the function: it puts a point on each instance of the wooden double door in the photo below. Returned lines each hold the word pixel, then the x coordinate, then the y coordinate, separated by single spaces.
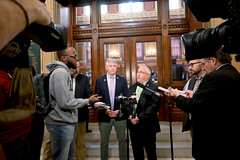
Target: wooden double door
pixel 130 52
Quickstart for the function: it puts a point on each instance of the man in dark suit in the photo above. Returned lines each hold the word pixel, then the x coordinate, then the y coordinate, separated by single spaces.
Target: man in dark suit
pixel 110 86
pixel 145 125
pixel 214 118
pixel 82 90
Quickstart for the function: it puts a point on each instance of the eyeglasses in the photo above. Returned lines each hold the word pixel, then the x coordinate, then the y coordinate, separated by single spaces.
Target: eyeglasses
pixel 141 72
pixel 191 64
pixel 203 63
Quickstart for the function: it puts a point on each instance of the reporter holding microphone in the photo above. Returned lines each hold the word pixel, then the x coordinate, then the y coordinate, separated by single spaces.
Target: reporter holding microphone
pixel 212 106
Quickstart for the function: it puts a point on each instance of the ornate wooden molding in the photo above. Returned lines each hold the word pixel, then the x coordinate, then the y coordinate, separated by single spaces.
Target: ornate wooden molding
pixel 131 29
pixel 170 26
pixel 79 31
pixel 126 30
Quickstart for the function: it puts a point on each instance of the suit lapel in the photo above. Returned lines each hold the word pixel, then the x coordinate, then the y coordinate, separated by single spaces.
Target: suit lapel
pixel 143 93
pixel 105 86
pixel 117 84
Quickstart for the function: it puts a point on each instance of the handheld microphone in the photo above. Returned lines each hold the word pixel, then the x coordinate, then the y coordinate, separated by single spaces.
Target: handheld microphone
pixel 134 106
pixel 148 89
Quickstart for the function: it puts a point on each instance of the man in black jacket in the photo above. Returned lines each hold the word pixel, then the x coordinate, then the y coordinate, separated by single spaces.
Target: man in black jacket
pixel 82 90
pixel 145 125
pixel 214 118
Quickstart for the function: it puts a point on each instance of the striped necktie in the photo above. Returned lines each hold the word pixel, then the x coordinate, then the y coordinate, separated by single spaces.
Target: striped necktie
pixel 138 92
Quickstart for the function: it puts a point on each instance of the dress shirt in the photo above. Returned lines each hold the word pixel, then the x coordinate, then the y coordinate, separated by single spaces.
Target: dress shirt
pixel 109 83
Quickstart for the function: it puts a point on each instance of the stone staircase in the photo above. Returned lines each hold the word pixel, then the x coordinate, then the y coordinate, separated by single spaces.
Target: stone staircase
pixel 181 143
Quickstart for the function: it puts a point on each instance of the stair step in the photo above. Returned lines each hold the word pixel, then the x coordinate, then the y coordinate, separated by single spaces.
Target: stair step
pixel 161 137
pixel 97 158
pixel 180 149
pixel 181 143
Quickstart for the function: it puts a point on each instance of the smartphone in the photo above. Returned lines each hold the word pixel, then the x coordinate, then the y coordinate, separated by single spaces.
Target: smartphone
pixel 99 97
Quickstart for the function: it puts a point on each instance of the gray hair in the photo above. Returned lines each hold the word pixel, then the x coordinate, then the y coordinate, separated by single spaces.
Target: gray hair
pixel 149 68
pixel 110 60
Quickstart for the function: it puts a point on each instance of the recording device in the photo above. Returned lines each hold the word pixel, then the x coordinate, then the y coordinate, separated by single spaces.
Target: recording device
pixel 148 89
pixel 170 89
pixel 181 92
pixel 134 105
pixel 96 105
pixel 50 38
pixel 99 97
pixel 206 42
pixel 129 102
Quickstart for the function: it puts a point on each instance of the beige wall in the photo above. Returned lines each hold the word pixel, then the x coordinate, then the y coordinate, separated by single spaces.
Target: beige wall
pixel 47 57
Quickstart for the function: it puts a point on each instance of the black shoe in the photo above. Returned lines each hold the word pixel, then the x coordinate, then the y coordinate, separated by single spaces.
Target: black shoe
pixel 89 131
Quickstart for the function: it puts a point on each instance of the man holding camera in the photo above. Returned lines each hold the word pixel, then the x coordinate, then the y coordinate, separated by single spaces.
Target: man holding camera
pixel 145 125
pixel 110 86
pixel 213 108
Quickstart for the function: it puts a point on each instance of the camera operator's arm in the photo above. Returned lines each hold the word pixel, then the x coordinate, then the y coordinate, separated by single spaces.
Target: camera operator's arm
pixel 17 14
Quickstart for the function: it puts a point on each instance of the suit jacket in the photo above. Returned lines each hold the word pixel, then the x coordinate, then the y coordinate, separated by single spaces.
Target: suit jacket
pixel 147 108
pixel 82 90
pixel 187 123
pixel 214 118
pixel 101 89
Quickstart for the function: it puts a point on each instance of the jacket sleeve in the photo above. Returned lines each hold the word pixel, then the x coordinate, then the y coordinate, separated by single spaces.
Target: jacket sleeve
pixel 87 88
pixel 97 90
pixel 60 92
pixel 151 106
pixel 125 87
pixel 202 96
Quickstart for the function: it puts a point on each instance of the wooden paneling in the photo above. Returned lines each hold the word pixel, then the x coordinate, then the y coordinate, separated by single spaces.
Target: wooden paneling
pixel 129 33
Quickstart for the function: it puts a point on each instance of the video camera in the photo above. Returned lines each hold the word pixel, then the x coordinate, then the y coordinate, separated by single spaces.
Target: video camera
pixel 207 41
pixel 129 102
pixel 52 37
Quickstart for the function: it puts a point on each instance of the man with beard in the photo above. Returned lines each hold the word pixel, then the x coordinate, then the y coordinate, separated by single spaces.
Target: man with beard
pixel 61 122
pixel 198 72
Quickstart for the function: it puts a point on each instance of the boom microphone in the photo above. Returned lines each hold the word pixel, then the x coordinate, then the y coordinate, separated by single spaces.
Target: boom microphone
pixel 148 89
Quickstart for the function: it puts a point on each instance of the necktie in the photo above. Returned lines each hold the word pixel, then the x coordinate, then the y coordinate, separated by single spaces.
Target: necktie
pixel 138 92
pixel 112 92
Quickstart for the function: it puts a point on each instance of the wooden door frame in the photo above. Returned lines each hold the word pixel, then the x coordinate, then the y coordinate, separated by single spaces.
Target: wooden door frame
pixel 102 42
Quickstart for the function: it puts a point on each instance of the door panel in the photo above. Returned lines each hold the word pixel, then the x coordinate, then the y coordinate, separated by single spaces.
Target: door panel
pixel 130 52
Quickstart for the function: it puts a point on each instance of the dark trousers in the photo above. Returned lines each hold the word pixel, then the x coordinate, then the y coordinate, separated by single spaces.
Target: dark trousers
pixel 35 137
pixel 143 139
pixel 18 149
